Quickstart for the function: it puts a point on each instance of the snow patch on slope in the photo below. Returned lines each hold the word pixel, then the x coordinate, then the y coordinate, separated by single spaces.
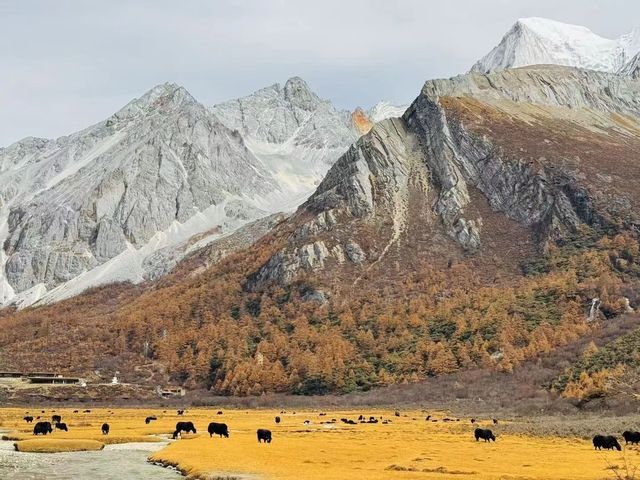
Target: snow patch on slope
pixel 383 110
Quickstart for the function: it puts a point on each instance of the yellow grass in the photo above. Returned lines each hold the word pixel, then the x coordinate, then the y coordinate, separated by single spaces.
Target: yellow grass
pixel 126 425
pixel 55 445
pixel 407 448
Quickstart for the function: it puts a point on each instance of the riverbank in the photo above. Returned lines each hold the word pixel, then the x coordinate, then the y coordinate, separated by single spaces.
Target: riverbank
pixel 114 462
pixel 311 444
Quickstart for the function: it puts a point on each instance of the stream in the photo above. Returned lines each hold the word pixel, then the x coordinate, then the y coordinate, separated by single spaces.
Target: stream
pixel 115 462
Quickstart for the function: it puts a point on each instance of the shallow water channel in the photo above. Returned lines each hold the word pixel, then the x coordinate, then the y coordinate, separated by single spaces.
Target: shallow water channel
pixel 115 462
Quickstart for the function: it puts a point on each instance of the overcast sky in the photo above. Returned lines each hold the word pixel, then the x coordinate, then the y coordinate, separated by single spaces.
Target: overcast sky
pixel 65 64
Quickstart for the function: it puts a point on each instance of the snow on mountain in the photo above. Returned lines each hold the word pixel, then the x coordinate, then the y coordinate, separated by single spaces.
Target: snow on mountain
pixel 533 41
pixel 383 110
pixel 111 202
pixel 295 134
pixel 88 208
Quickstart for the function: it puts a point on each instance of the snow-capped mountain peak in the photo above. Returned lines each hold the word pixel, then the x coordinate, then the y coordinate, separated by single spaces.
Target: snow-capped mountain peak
pixel 535 41
pixel 161 98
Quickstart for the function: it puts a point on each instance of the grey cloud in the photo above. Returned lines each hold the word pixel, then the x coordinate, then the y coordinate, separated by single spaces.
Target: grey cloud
pixel 67 64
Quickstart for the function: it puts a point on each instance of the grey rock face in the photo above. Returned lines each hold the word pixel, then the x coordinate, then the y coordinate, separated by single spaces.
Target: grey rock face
pixel 432 150
pixel 355 253
pixel 292 113
pixel 320 223
pixel 632 68
pixel 378 162
pixel 315 296
pixel 161 159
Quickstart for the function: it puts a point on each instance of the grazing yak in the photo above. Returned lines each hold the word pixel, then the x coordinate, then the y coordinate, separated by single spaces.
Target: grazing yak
pixel 148 420
pixel 277 419
pixel 61 426
pixel 264 435
pixel 218 429
pixel 631 437
pixel 56 419
pixel 28 419
pixel 42 428
pixel 180 412
pixel 75 411
pixel 608 442
pixel 485 434
pixel 105 429
pixel 187 427
pixel 219 412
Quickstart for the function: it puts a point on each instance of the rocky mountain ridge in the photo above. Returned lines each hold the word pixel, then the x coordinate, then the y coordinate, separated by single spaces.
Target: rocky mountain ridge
pixel 473 232
pixel 100 205
pixel 431 152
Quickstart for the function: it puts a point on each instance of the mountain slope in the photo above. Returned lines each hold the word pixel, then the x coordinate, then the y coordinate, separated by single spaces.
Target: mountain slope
pixel 292 131
pixel 474 231
pixel 295 133
pixel 537 41
pixel 113 188
pixel 120 200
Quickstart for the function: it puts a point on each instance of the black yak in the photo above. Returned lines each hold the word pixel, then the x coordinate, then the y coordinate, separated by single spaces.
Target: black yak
pixel 608 442
pixel 218 429
pixel 42 428
pixel 105 429
pixel 631 437
pixel 264 435
pixel 61 426
pixel 484 434
pixel 184 427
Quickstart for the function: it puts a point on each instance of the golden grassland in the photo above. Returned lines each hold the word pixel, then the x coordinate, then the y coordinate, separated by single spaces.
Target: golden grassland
pixel 407 448
pixel 55 445
pixel 126 425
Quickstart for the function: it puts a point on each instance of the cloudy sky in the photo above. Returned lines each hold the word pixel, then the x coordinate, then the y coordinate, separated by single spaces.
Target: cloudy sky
pixel 66 64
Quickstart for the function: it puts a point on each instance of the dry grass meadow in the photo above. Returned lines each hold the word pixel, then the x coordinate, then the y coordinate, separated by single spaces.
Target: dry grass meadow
pixel 409 447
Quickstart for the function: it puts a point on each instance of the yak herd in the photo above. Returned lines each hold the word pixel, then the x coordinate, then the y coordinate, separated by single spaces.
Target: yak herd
pixel 606 442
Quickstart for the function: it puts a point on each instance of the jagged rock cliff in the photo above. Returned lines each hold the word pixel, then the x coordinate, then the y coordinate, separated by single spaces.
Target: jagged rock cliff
pixel 539 150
